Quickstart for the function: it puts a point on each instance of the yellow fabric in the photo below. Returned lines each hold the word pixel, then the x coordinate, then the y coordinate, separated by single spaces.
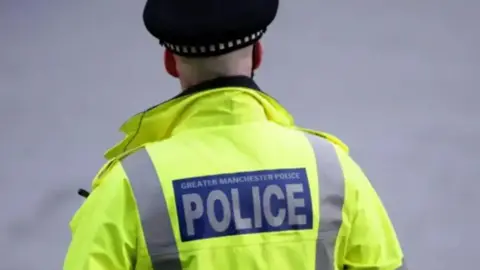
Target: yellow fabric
pixel 367 236
pixel 157 123
pixel 105 227
pixel 246 149
pixel 246 127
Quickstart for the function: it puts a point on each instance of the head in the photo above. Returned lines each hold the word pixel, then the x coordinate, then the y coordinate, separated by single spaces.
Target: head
pixel 211 38
pixel 194 70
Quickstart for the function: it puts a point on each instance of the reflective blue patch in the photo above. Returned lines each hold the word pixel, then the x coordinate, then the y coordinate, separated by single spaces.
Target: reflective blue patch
pixel 242 203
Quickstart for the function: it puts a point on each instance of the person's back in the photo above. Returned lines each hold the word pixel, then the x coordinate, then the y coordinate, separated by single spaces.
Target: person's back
pixel 220 177
pixel 242 199
pixel 229 180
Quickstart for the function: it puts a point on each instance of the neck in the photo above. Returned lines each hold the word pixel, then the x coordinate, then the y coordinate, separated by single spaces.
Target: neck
pixel 191 81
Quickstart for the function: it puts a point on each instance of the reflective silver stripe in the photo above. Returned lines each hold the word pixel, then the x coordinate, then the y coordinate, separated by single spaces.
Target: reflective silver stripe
pixel 153 211
pixel 331 192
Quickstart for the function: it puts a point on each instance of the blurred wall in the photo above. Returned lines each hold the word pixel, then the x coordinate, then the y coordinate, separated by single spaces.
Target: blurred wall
pixel 396 80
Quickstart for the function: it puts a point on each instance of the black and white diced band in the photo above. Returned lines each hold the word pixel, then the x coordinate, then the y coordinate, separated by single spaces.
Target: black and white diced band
pixel 213 48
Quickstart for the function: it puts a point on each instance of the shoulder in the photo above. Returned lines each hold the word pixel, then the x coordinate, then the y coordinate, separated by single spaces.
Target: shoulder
pixel 111 193
pixel 114 170
pixel 355 180
pixel 326 136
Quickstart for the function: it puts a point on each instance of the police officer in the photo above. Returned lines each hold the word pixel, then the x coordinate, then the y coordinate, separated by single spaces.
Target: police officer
pixel 219 177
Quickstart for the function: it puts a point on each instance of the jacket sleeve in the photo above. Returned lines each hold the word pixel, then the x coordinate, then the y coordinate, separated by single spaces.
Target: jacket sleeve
pixel 372 242
pixel 104 229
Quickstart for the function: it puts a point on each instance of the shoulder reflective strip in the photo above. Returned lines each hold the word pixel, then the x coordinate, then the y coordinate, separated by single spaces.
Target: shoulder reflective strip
pixel 153 211
pixel 331 193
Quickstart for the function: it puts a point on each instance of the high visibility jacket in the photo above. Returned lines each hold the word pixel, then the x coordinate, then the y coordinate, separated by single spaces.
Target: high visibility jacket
pixel 221 178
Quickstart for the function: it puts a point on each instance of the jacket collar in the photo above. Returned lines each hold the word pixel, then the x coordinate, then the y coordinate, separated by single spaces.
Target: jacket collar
pixel 155 123
pixel 233 81
pixel 158 122
pixel 222 82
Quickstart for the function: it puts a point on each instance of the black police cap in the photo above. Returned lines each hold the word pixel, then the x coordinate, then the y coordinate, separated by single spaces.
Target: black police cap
pixel 202 28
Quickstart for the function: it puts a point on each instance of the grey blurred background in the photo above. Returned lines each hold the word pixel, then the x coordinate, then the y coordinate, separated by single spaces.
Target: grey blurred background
pixel 396 80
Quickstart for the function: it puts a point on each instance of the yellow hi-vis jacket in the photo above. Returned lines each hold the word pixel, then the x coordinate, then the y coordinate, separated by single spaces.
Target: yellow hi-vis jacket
pixel 221 178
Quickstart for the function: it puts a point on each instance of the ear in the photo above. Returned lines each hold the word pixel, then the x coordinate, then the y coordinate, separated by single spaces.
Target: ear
pixel 257 55
pixel 169 62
